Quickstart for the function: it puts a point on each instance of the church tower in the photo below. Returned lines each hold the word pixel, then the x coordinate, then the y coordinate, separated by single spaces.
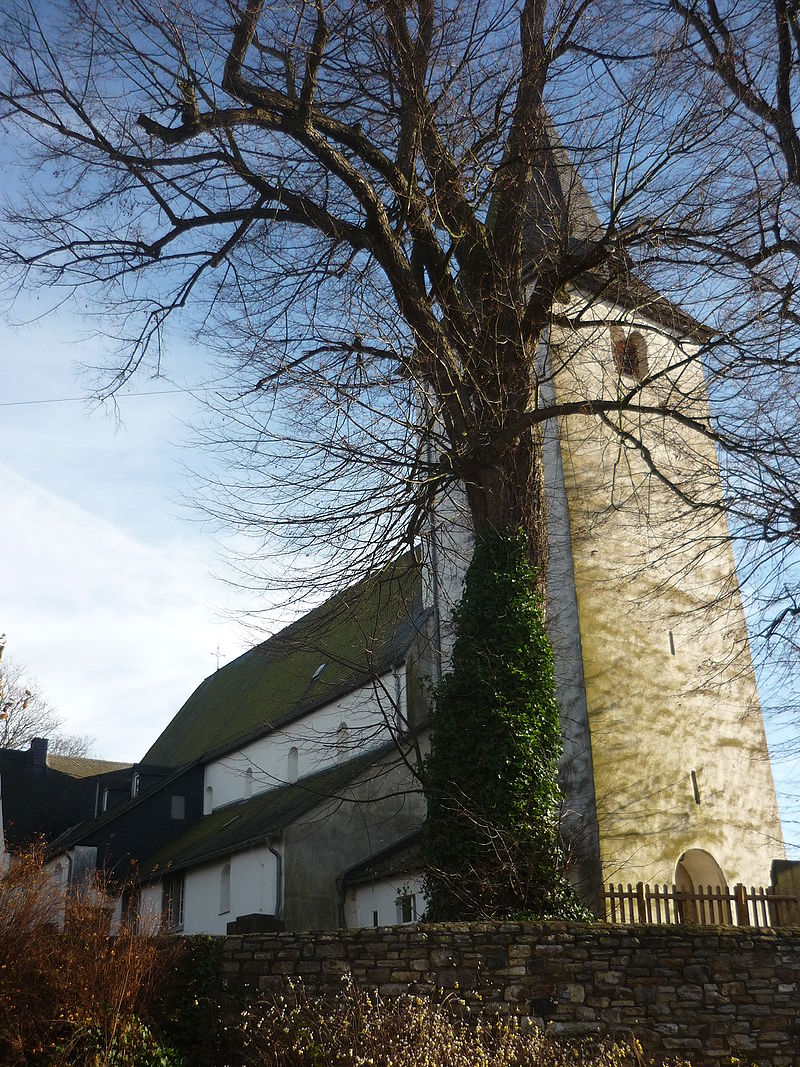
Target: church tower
pixel 665 770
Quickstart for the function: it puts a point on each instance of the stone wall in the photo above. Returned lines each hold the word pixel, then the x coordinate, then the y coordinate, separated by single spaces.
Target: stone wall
pixel 707 993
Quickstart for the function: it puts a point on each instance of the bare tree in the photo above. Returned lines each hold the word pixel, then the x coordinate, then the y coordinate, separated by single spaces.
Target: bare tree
pixel 370 212
pixel 25 714
pixel 403 226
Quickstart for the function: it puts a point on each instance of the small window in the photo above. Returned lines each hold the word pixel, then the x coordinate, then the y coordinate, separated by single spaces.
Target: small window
pixel 208 802
pixel 630 353
pixel 135 784
pixel 407 908
pixel 172 910
pixel 177 808
pixel 292 765
pixel 248 782
pixel 374 918
pixel 106 798
pixel 225 889
pixel 318 672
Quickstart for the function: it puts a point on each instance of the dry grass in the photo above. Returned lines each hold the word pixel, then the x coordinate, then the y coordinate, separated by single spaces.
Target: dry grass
pixel 357 1029
pixel 68 989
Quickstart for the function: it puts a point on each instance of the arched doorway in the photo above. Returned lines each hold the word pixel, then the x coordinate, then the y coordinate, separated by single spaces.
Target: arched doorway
pixel 699 876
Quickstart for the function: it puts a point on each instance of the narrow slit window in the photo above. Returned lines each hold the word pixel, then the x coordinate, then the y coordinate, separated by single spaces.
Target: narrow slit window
pixel 292 765
pixel 671 644
pixel 630 353
pixel 695 788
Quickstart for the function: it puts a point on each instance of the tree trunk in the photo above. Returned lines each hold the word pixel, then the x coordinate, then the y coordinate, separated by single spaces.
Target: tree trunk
pixel 508 494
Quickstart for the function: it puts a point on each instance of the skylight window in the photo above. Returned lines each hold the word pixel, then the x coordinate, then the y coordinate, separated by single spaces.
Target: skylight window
pixel 318 671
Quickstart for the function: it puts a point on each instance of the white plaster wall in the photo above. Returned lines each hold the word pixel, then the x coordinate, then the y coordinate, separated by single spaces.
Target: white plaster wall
pixel 381 896
pixel 253 889
pixel 150 908
pixel 370 713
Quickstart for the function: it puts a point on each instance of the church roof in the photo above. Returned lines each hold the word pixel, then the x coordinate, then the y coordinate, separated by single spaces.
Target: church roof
pixel 403 856
pixel 244 823
pixel 564 205
pixel 355 635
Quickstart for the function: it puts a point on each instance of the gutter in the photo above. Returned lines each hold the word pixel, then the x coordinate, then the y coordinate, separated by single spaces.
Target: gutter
pixel 278 876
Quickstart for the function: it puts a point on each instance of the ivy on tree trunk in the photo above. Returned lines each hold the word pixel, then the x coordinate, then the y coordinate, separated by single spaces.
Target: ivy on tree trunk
pixel 492 834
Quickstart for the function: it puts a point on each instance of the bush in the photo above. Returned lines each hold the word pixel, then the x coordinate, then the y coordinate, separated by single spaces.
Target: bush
pixel 358 1029
pixel 189 1016
pixel 70 992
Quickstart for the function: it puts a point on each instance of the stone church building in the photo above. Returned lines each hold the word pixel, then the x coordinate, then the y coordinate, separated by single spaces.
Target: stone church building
pixel 284 790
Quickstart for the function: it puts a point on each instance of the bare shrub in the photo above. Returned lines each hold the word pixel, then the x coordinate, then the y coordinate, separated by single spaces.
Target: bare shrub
pixel 361 1029
pixel 70 990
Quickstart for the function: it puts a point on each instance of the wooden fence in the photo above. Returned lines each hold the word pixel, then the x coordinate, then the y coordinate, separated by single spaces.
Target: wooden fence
pixel 706 905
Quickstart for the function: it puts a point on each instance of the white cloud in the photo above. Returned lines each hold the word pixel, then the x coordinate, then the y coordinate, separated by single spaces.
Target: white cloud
pixel 117 632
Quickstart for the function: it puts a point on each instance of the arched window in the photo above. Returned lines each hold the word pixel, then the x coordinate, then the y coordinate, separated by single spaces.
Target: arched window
pixel 630 353
pixel 341 742
pixel 225 889
pixel 248 782
pixel 208 802
pixel 292 765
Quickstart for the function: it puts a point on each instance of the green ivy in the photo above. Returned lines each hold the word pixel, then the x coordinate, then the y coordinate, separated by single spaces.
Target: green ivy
pixel 492 833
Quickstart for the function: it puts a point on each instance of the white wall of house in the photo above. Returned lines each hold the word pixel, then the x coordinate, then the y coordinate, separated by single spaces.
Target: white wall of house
pixel 252 888
pixel 382 898
pixel 317 739
pixel 150 907
pixel 207 907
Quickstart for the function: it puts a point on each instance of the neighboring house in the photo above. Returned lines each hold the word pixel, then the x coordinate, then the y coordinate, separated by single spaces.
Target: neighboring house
pixel 284 769
pixel 42 795
pixel 284 792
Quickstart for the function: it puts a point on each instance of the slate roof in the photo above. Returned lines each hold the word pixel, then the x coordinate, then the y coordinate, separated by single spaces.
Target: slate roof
pixel 248 822
pixel 80 830
pixel 39 801
pixel 356 634
pixel 571 211
pixel 403 856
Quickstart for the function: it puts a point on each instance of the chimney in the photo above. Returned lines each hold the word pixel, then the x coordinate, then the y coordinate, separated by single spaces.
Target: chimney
pixel 38 751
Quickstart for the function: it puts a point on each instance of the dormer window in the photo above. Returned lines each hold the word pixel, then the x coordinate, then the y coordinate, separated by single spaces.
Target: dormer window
pixel 630 353
pixel 318 671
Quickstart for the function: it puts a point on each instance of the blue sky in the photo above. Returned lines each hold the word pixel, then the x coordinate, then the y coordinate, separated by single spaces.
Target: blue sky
pixel 108 589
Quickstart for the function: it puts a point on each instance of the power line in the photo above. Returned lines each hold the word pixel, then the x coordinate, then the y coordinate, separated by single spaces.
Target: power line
pixel 86 399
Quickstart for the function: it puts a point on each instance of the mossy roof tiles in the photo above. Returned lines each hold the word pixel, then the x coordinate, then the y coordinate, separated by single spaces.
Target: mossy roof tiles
pixel 84 766
pixel 236 826
pixel 356 634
